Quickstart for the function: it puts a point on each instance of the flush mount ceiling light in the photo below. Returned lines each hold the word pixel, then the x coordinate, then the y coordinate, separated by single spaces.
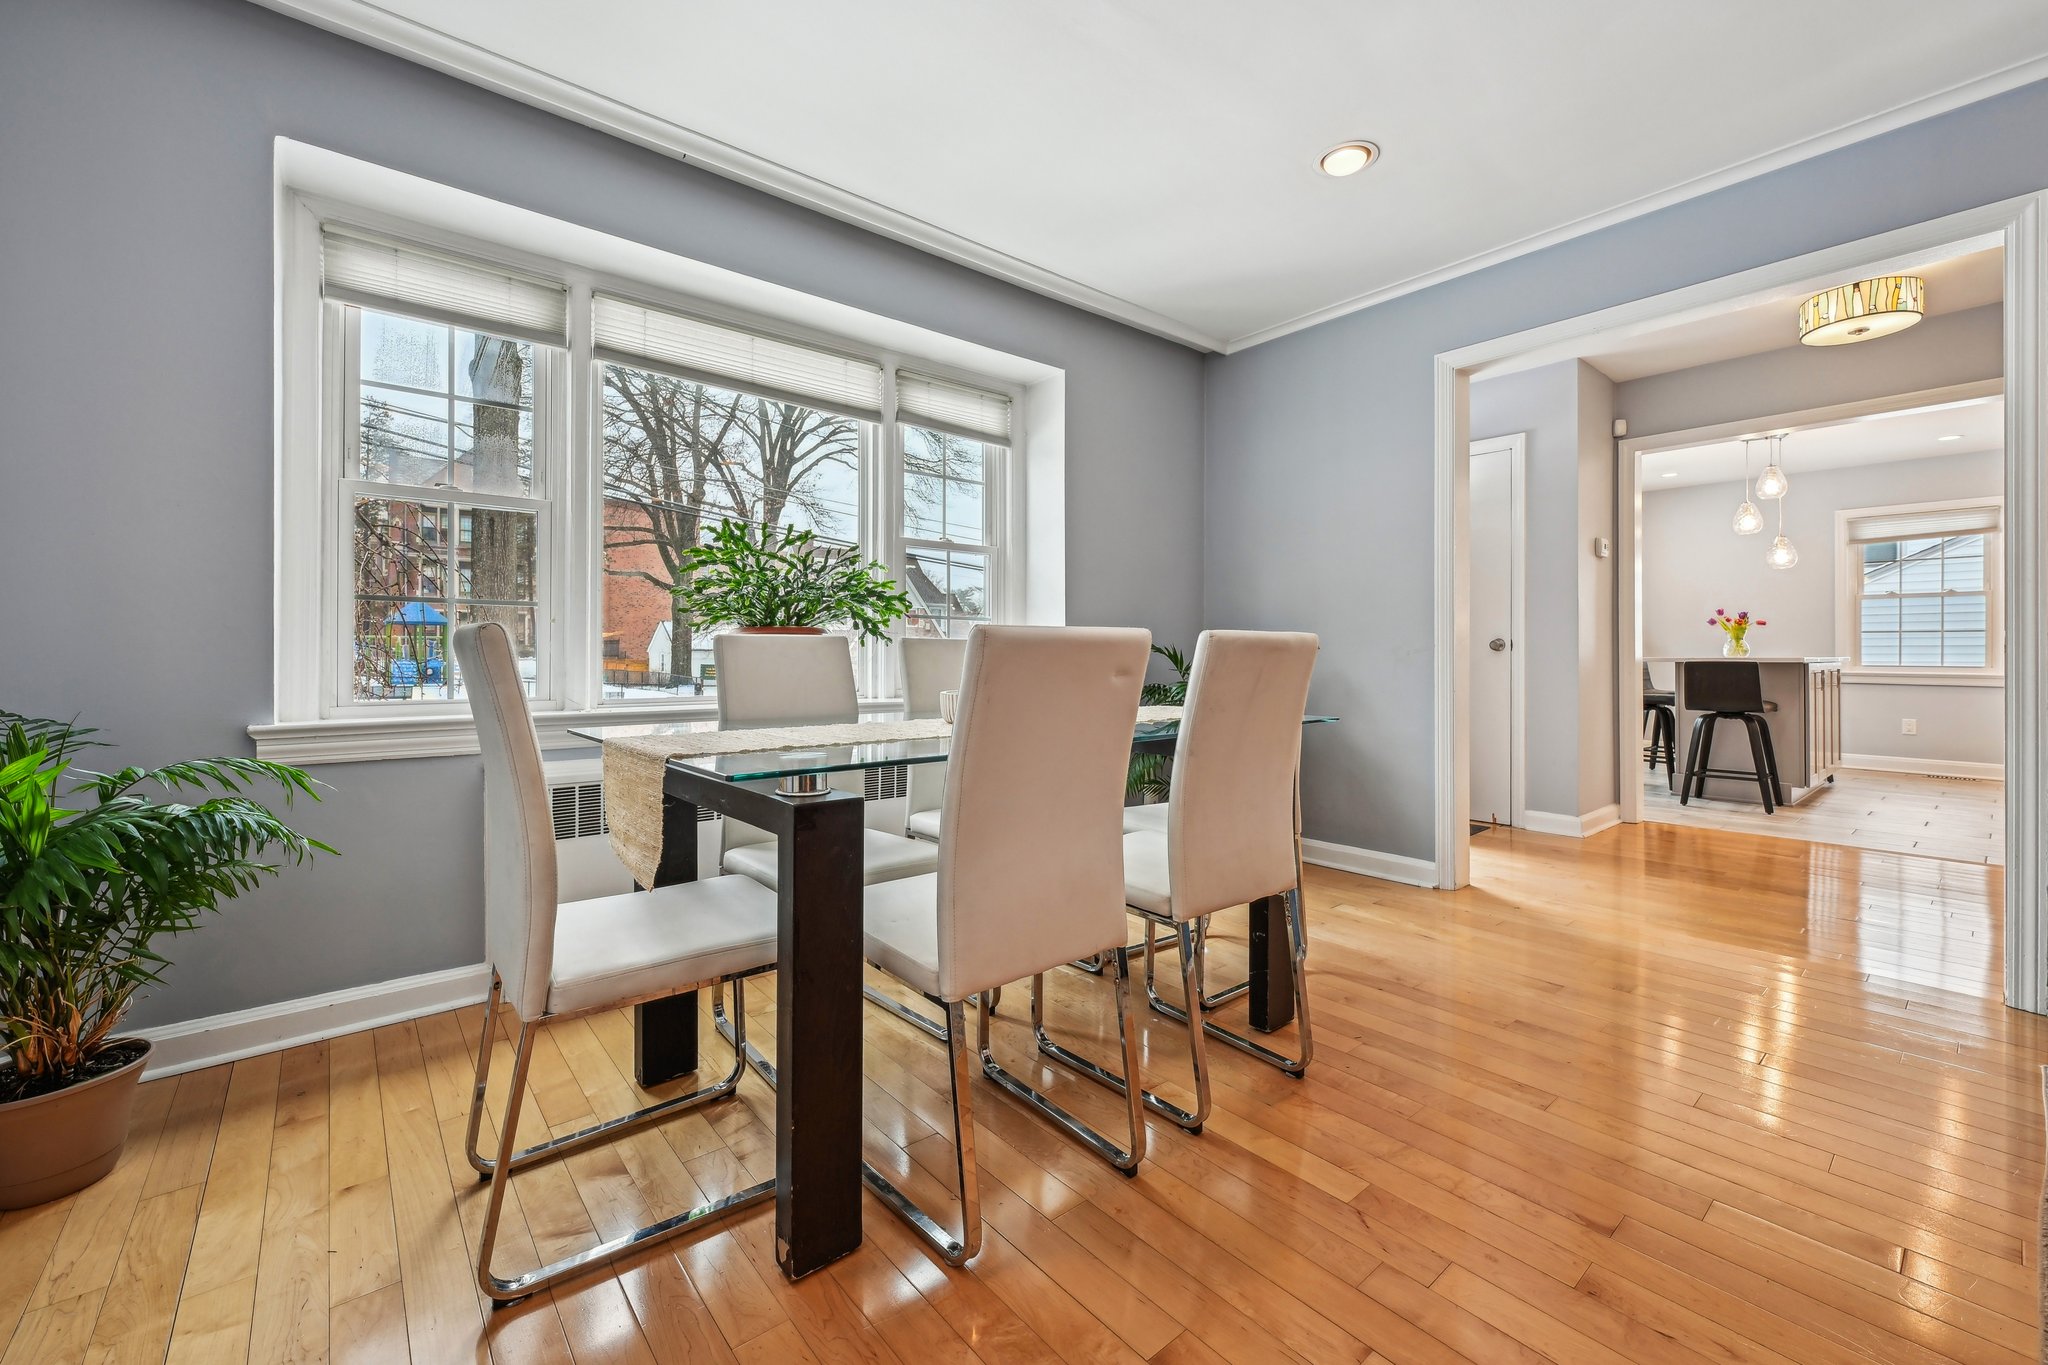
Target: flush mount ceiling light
pixel 1863 310
pixel 1349 158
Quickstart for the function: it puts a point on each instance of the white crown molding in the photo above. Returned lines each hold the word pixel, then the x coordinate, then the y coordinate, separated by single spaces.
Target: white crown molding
pixel 221 1038
pixel 1899 116
pixel 377 27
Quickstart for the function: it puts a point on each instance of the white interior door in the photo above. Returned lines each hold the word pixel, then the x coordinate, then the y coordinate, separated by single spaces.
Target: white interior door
pixel 1496 596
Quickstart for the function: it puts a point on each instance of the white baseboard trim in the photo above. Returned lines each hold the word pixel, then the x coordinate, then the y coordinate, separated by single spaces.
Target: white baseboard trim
pixel 219 1038
pixel 1925 767
pixel 1388 867
pixel 1572 826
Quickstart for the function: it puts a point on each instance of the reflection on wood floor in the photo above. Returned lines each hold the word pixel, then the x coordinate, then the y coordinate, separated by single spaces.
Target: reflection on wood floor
pixel 1664 1095
pixel 1938 817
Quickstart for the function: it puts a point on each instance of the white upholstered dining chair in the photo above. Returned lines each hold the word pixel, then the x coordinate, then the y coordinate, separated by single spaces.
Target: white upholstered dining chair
pixel 1229 835
pixel 554 961
pixel 931 665
pixel 766 681
pixel 1231 831
pixel 1030 874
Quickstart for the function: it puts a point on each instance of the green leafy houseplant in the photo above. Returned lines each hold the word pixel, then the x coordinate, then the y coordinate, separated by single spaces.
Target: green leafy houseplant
pixel 1150 777
pixel 94 869
pixel 787 579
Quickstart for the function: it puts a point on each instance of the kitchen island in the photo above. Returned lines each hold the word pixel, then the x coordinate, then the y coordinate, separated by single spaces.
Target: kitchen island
pixel 1806 728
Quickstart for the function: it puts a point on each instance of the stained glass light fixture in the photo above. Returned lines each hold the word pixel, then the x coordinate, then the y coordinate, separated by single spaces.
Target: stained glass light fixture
pixel 1863 310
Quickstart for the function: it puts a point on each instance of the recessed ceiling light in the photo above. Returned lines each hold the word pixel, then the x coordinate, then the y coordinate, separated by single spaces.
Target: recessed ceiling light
pixel 1349 158
pixel 1669 474
pixel 1956 437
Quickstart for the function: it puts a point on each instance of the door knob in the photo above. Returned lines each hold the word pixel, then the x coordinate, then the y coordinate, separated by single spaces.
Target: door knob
pixel 1496 644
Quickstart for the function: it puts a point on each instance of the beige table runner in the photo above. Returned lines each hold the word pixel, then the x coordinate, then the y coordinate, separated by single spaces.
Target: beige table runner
pixel 633 768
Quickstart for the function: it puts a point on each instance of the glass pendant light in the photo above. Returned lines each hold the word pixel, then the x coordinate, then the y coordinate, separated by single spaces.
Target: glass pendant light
pixel 1748 520
pixel 1772 483
pixel 1781 555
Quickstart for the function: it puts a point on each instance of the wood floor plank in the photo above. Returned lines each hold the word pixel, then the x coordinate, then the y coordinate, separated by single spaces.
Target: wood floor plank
pixel 290 1318
pixel 141 1303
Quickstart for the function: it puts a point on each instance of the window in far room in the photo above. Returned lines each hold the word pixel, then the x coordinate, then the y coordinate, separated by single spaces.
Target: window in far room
pixel 1921 588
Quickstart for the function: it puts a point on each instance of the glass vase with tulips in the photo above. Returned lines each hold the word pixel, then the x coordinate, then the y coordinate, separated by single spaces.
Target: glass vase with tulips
pixel 1736 630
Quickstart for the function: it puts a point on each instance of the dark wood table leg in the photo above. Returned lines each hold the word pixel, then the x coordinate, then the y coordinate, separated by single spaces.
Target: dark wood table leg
pixel 818 1037
pixel 665 1031
pixel 1272 994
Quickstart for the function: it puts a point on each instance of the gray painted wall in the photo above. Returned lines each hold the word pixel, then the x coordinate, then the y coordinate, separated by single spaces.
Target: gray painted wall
pixel 136 439
pixel 1950 348
pixel 1692 563
pixel 1566 410
pixel 1319 443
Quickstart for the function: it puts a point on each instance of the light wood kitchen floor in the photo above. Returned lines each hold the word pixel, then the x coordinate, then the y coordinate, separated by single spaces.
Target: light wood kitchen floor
pixel 1665 1095
pixel 1941 817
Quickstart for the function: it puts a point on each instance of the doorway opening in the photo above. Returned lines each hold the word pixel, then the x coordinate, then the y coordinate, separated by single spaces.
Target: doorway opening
pixel 2015 228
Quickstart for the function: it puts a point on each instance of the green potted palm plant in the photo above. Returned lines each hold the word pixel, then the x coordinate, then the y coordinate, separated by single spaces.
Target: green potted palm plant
pixel 781 580
pixel 94 867
pixel 1151 775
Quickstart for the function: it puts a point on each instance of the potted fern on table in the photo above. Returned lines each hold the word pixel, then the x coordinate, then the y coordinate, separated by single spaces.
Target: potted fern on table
pixel 780 580
pixel 94 868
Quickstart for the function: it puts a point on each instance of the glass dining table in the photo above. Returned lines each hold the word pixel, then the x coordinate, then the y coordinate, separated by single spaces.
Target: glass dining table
pixel 818 1000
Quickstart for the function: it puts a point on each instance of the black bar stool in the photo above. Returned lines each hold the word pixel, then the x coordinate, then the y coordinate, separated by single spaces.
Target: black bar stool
pixel 1729 690
pixel 1659 708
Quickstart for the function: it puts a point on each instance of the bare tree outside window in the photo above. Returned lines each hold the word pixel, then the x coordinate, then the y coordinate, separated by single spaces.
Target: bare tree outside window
pixel 681 456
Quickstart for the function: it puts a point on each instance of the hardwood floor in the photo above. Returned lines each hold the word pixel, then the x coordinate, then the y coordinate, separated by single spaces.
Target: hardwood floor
pixel 1670 1095
pixel 1940 817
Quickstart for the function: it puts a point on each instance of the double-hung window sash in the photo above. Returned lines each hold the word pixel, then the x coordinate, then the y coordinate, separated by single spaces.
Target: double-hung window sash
pixel 1925 587
pixel 954 438
pixel 449 372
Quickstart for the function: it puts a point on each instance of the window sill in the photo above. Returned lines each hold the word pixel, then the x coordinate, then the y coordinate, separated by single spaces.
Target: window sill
pixel 1922 677
pixel 374 738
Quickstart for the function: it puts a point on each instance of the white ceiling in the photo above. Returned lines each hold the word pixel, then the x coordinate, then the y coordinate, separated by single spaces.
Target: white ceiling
pixel 1156 161
pixel 1968 281
pixel 1882 438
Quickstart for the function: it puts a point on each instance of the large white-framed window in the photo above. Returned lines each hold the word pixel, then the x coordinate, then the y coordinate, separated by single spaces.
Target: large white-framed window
pixel 1918 591
pixel 504 436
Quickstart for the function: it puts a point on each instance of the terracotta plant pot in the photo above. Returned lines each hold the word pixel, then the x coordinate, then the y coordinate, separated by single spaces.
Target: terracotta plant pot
pixel 51 1145
pixel 779 630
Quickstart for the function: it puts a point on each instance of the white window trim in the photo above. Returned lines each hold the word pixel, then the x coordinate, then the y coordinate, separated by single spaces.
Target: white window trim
pixel 313 185
pixel 1848 620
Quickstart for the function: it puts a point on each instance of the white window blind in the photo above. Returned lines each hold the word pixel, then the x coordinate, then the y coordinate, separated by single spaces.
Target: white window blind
pixel 447 289
pixel 714 353
pixel 1923 523
pixel 957 408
